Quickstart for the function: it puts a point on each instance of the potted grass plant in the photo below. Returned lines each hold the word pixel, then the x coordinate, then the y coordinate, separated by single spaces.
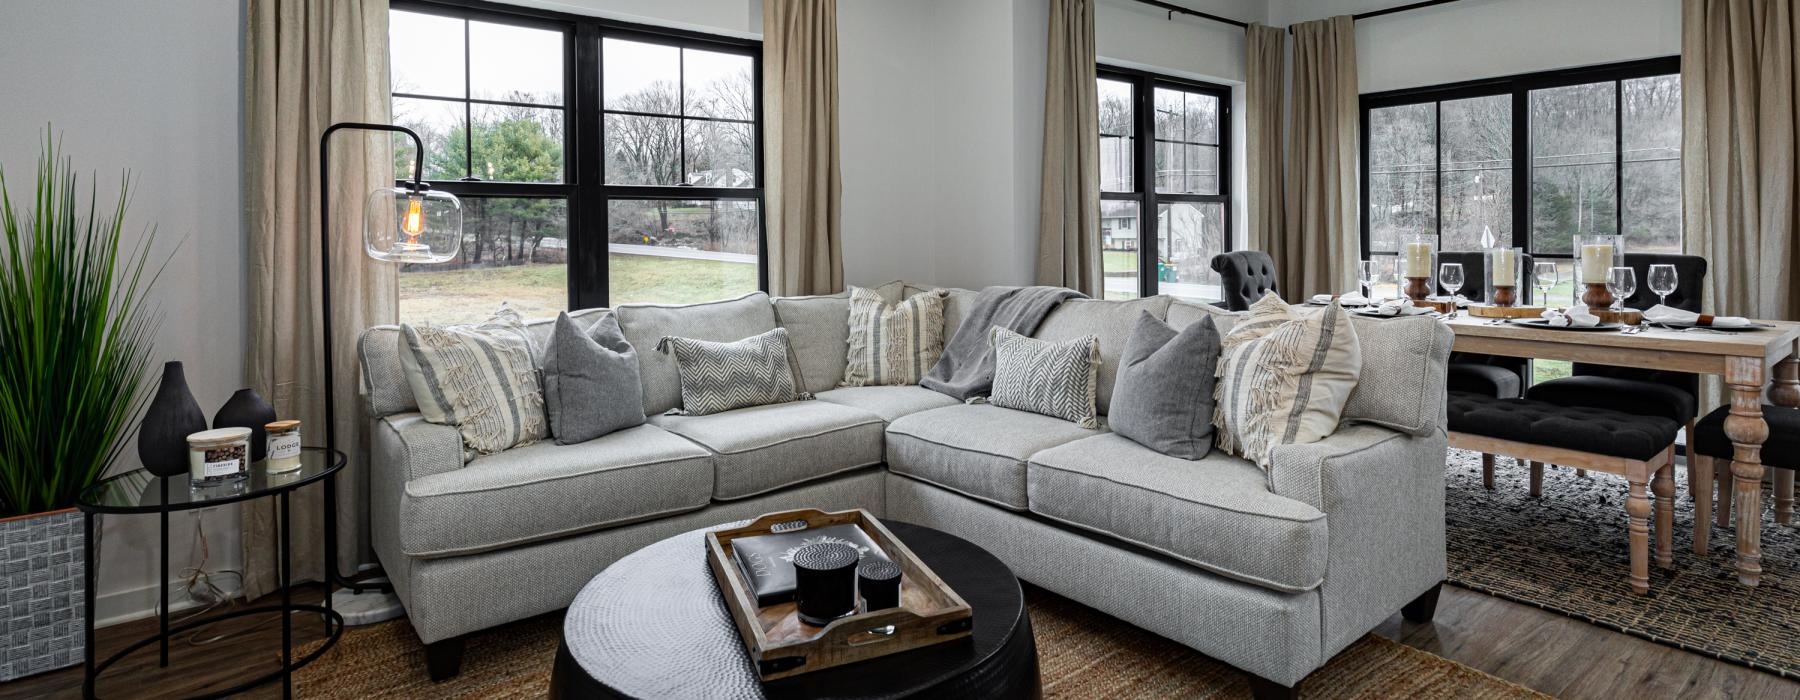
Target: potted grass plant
pixel 75 344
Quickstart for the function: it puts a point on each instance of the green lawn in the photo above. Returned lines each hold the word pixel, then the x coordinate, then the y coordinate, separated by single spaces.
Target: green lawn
pixel 1119 263
pixel 541 290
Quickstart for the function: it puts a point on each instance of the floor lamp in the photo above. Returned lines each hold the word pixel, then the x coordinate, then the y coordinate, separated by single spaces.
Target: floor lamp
pixel 410 223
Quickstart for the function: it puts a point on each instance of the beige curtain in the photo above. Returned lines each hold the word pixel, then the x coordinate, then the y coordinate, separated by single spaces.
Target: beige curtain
pixel 308 64
pixel 1263 57
pixel 1069 200
pixel 800 147
pixel 1740 69
pixel 1318 248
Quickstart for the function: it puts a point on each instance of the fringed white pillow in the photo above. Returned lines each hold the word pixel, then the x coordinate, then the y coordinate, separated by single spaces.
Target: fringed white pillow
pixel 479 378
pixel 1284 378
pixel 893 345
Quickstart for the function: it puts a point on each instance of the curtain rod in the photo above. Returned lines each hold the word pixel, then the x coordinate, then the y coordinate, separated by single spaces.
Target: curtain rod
pixel 1172 9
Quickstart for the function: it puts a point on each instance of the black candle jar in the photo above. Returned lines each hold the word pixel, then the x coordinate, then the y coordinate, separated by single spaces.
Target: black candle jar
pixel 879 581
pixel 825 582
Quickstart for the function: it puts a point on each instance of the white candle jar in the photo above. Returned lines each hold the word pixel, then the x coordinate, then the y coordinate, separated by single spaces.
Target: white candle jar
pixel 218 456
pixel 1418 265
pixel 1595 257
pixel 1505 280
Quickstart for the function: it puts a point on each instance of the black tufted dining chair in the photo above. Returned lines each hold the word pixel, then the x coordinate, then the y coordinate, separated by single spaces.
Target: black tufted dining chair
pixel 1244 277
pixel 1487 375
pixel 1644 392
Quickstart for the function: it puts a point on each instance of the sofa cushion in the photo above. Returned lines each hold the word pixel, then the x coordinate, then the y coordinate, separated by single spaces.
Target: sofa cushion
pixel 544 491
pixel 1404 368
pixel 957 304
pixel 384 384
pixel 818 328
pixel 719 321
pixel 763 448
pixel 1216 513
pixel 1110 321
pixel 889 402
pixel 977 450
pixel 1186 313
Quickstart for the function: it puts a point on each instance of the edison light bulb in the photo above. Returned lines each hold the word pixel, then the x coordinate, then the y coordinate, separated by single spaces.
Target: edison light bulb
pixel 414 223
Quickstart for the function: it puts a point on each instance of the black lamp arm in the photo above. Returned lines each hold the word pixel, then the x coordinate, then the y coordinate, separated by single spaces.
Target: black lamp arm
pixel 332 574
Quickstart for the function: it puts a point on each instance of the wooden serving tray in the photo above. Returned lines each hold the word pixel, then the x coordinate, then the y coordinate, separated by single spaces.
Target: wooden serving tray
pixel 781 645
pixel 1491 311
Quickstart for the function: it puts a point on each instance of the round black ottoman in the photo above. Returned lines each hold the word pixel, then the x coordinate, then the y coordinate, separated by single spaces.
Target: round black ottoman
pixel 653 625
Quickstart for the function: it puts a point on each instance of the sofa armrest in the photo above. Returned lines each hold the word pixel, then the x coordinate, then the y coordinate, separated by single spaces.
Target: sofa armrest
pixel 408 447
pixel 1382 492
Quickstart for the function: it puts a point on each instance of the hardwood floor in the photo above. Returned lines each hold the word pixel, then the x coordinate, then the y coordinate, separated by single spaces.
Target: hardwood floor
pixel 1556 655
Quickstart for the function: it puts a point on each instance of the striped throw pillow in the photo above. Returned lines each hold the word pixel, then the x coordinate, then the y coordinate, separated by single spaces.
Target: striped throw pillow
pixel 1055 379
pixel 478 378
pixel 893 345
pixel 1284 377
pixel 718 377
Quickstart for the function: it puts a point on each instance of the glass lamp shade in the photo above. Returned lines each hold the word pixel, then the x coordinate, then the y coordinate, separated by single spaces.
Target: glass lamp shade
pixel 404 226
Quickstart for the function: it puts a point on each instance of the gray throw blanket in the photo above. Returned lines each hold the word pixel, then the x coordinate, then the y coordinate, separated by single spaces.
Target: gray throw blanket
pixel 966 369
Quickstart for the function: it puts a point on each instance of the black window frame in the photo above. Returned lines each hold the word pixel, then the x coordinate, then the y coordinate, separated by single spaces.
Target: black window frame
pixel 584 184
pixel 1143 166
pixel 1520 88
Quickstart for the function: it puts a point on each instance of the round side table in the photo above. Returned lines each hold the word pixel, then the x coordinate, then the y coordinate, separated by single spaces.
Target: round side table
pixel 138 492
pixel 653 625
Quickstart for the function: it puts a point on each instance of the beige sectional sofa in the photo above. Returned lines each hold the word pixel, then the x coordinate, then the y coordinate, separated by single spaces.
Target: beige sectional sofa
pixel 1272 573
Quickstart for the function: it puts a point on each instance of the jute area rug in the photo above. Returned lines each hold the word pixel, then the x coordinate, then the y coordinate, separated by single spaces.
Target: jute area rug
pixel 1566 553
pixel 1083 654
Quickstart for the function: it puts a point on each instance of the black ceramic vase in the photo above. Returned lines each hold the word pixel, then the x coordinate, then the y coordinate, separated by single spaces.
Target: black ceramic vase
pixel 171 417
pixel 247 409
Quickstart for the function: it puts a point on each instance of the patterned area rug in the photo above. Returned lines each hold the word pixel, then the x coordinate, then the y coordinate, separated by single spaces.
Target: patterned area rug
pixel 1083 654
pixel 1566 552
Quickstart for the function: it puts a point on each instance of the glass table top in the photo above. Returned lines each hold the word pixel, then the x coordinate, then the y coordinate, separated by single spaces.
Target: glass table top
pixel 139 491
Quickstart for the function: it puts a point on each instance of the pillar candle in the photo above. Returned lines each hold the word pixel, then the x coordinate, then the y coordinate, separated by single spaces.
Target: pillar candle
pixel 1506 268
pixel 1596 259
pixel 1418 260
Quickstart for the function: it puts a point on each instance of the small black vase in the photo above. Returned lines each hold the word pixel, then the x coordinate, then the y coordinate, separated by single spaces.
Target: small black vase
pixel 247 409
pixel 171 417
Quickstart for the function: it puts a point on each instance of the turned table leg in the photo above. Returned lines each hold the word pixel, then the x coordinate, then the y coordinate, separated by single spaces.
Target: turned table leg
pixel 1700 486
pixel 1487 471
pixel 1637 510
pixel 1537 479
pixel 1663 485
pixel 1747 430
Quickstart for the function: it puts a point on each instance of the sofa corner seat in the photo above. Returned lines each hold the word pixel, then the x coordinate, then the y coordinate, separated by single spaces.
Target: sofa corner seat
pixel 978 450
pixel 762 448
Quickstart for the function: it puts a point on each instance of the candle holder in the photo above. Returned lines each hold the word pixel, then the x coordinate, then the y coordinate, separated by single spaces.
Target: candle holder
pixel 1505 275
pixel 1418 265
pixel 1594 257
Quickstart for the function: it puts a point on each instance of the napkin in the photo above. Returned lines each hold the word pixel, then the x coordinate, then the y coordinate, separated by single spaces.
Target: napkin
pixel 1347 299
pixel 1666 314
pixel 1400 307
pixel 1576 316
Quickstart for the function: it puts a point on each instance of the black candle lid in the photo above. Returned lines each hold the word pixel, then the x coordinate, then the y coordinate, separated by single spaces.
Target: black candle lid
pixel 878 570
pixel 825 556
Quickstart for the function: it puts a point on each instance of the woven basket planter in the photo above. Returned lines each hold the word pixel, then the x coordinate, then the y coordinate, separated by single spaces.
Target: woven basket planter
pixel 42 593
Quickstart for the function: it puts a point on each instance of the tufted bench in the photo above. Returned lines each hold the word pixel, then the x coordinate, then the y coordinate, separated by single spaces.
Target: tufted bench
pixel 1639 448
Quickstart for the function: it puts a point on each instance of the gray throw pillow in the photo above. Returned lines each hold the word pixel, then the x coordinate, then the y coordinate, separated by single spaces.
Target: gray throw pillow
pixel 717 377
pixel 591 385
pixel 1163 398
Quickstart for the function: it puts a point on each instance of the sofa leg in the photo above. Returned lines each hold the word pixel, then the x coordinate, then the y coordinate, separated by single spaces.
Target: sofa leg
pixel 1537 479
pixel 443 659
pixel 1265 689
pixel 1487 471
pixel 1424 607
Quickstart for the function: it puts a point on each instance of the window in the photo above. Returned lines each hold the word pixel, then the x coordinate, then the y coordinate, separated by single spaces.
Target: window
pixel 1165 196
pixel 1534 160
pixel 598 162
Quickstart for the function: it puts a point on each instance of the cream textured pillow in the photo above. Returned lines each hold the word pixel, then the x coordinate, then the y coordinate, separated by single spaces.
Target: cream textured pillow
pixel 478 378
pixel 1284 378
pixel 893 345
pixel 1055 379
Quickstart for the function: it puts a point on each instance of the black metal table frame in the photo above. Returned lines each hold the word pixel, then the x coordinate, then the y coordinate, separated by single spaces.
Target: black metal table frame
pixel 334 622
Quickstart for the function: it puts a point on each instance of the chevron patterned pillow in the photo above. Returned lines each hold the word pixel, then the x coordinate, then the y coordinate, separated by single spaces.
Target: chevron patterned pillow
pixel 1055 379
pixel 893 345
pixel 718 377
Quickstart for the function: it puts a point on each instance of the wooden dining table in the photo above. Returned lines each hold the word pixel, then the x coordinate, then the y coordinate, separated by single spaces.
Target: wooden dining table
pixel 1750 363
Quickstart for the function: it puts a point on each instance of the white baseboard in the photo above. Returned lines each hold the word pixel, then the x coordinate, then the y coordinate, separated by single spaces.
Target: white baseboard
pixel 141 602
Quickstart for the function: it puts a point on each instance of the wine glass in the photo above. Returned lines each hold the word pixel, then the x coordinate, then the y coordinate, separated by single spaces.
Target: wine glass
pixel 1662 281
pixel 1369 274
pixel 1545 272
pixel 1450 275
pixel 1622 282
